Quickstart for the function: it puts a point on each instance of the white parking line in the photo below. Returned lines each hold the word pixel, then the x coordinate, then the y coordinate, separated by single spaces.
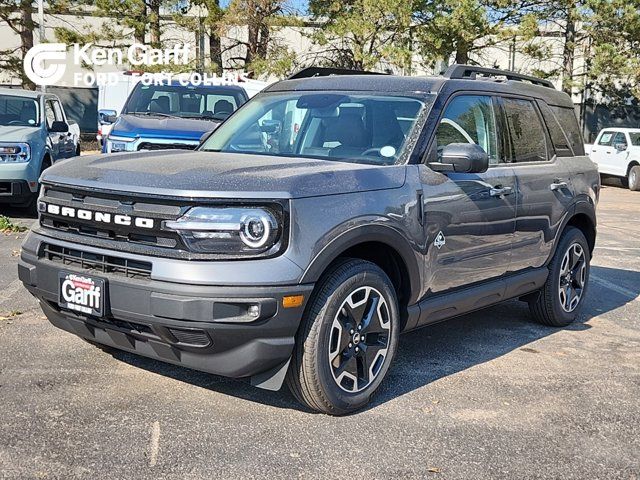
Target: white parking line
pixel 154 443
pixel 633 297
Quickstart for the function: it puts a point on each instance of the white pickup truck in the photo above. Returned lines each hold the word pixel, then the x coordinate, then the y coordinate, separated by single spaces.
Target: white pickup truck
pixel 617 153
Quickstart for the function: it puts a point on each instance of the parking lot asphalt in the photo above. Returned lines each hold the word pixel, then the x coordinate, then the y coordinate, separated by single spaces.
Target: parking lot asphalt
pixel 488 395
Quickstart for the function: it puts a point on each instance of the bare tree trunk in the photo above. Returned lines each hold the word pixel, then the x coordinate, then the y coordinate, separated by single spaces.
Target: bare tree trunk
pixel 568 50
pixel 154 23
pixel 462 52
pixel 26 38
pixel 215 51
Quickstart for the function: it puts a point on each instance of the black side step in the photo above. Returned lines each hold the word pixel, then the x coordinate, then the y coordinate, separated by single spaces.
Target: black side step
pixel 448 305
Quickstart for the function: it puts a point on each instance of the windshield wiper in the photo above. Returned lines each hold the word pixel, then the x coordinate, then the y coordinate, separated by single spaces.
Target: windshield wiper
pixel 214 117
pixel 158 114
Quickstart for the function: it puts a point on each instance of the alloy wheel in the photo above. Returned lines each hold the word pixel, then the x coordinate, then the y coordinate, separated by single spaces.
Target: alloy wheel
pixel 573 271
pixel 359 339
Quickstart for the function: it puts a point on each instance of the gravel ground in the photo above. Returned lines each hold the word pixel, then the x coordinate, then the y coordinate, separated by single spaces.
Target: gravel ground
pixel 487 395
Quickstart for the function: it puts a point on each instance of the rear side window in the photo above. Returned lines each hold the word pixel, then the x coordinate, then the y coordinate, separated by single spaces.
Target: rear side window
pixel 569 123
pixel 560 142
pixel 528 138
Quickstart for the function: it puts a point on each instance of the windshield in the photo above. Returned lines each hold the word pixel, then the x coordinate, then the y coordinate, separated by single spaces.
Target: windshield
pixel 18 111
pixel 354 127
pixel 215 103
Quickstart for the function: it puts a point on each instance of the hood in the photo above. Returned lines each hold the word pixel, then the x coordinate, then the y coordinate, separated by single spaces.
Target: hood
pixel 181 173
pixel 162 127
pixel 14 133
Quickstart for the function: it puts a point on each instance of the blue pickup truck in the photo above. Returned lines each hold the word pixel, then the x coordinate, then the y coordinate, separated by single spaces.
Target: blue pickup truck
pixel 174 116
pixel 34 133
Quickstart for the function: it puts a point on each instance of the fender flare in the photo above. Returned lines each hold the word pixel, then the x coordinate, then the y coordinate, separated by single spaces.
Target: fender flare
pixel 362 234
pixel 583 205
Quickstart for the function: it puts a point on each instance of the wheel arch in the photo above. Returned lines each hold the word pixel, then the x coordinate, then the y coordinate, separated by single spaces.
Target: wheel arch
pixel 583 217
pixel 381 245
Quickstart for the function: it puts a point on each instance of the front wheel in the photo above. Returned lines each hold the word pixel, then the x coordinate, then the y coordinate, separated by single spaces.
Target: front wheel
pixel 560 300
pixel 633 179
pixel 347 339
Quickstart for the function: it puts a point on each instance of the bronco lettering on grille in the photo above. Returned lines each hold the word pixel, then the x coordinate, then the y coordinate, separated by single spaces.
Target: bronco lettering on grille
pixel 100 217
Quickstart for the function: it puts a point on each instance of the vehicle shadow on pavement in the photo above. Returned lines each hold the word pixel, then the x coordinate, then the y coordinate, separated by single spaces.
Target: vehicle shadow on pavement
pixel 430 353
pixel 21 213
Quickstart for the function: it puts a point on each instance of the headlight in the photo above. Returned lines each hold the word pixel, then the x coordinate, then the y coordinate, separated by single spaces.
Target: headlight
pixel 120 144
pixel 14 152
pixel 228 230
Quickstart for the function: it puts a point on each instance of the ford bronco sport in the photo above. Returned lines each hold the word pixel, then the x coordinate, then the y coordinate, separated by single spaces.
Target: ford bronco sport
pixel 324 217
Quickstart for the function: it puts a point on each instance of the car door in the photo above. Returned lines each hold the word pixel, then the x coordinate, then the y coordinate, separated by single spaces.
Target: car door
pixel 67 147
pixel 55 139
pixel 619 157
pixel 602 151
pixel 469 218
pixel 544 189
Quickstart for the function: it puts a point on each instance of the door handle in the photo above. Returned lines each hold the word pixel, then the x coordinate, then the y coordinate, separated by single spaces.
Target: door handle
pixel 500 191
pixel 558 185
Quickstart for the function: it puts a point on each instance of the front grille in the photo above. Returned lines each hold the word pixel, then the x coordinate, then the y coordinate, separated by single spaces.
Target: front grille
pixel 110 231
pixel 165 146
pixel 106 264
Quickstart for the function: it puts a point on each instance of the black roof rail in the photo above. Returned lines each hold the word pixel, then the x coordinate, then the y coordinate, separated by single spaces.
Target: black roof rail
pixel 469 72
pixel 328 71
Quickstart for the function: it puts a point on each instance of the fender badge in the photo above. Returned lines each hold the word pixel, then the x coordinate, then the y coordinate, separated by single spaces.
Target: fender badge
pixel 440 240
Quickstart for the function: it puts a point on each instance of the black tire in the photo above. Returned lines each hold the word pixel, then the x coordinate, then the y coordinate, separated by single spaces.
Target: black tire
pixel 78 150
pixel 633 179
pixel 548 308
pixel 312 375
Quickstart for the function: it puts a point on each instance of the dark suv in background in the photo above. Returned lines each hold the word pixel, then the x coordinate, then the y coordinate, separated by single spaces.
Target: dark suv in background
pixel 327 215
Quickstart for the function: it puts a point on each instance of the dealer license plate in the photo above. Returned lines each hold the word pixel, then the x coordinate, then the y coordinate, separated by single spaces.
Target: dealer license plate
pixel 81 293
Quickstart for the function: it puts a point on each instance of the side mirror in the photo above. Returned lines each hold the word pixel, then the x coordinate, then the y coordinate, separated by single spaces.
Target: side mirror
pixel 107 117
pixel 462 158
pixel 621 147
pixel 204 137
pixel 59 126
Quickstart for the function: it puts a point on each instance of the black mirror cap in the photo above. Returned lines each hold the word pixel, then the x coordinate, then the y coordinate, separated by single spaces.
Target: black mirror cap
pixel 463 158
pixel 59 126
pixel 205 136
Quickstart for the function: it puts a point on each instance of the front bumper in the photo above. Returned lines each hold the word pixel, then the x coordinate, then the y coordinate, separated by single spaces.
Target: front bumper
pixel 203 327
pixel 14 191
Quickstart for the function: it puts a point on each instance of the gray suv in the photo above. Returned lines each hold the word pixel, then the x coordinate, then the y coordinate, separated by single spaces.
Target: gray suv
pixel 326 216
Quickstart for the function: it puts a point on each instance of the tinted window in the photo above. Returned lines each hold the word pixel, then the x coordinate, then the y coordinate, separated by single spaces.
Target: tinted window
pixel 18 111
pixel 470 119
pixel 569 122
pixel 49 113
pixel 635 139
pixel 619 140
pixel 357 127
pixel 560 142
pixel 606 138
pixel 184 101
pixel 528 137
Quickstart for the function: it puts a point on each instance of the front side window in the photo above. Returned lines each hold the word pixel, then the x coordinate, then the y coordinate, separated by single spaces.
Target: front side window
pixel 635 139
pixel 470 119
pixel 18 111
pixel 528 138
pixel 620 141
pixel 184 101
pixel 344 126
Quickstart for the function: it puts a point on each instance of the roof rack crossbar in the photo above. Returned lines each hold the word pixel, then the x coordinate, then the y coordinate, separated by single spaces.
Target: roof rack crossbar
pixel 327 71
pixel 458 71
